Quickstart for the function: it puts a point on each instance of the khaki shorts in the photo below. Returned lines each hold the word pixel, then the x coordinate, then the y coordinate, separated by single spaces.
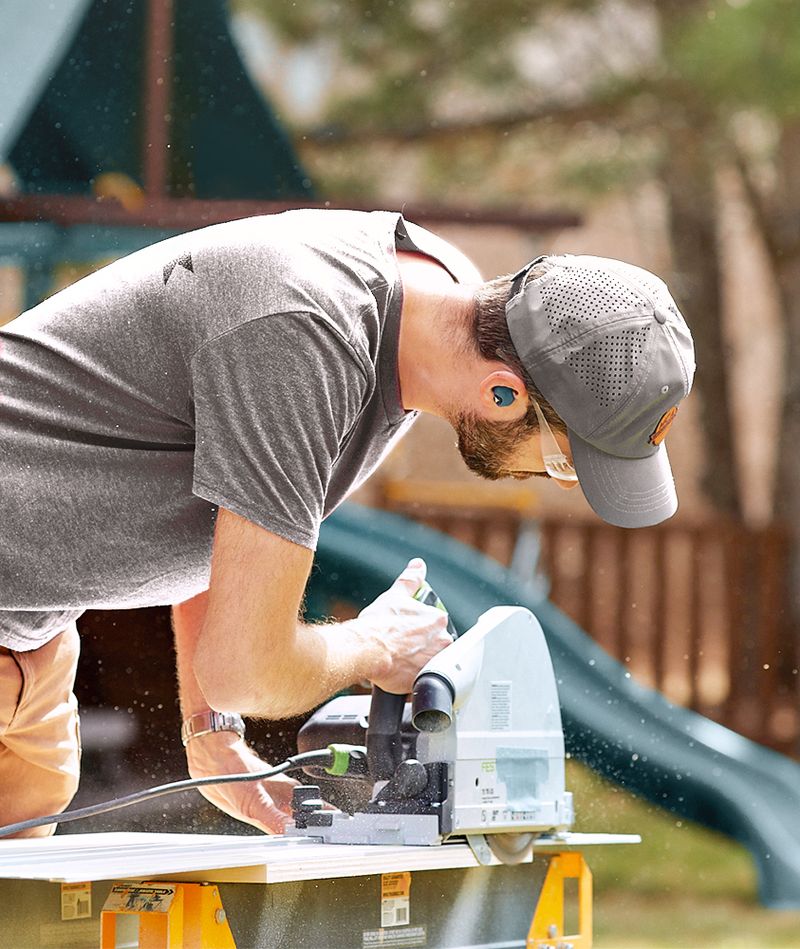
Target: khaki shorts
pixel 39 737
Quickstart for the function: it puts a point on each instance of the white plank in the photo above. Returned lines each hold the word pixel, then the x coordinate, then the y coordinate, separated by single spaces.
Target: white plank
pixel 228 858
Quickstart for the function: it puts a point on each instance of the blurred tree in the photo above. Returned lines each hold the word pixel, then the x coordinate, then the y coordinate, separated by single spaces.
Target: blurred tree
pixel 690 158
pixel 748 64
pixel 477 86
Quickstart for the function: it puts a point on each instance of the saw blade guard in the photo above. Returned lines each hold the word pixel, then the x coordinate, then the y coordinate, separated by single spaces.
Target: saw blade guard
pixel 506 741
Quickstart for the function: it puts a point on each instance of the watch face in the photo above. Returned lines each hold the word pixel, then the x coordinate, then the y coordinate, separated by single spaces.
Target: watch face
pixel 203 723
pixel 228 721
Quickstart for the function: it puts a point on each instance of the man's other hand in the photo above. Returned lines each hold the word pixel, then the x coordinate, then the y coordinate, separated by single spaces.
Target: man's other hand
pixel 410 632
pixel 264 804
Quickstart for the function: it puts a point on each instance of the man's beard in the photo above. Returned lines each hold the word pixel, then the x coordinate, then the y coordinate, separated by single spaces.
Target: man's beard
pixel 487 447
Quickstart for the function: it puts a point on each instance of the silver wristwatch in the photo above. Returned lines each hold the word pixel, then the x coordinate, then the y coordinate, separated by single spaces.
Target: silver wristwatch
pixel 203 723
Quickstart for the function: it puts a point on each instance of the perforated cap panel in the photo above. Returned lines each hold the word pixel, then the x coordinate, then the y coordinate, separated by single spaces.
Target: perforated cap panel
pixel 649 282
pixel 607 365
pixel 570 301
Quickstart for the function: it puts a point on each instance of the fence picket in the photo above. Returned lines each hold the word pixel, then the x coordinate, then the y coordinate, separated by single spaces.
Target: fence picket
pixel 731 592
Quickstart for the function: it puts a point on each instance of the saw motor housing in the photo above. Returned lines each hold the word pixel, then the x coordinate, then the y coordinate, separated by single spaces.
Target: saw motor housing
pixel 479 750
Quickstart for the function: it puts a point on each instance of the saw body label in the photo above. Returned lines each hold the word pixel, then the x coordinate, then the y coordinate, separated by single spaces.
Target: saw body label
pixel 500 707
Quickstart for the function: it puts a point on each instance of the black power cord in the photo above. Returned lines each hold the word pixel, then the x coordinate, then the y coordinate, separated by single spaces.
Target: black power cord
pixel 324 756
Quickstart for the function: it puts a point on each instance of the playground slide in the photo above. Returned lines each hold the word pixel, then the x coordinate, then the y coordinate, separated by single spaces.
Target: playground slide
pixel 630 734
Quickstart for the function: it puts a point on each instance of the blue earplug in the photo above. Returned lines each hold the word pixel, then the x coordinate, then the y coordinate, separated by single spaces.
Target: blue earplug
pixel 503 395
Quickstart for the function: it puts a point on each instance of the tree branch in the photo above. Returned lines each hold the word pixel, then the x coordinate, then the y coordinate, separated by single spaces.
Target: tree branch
pixel 614 107
pixel 759 203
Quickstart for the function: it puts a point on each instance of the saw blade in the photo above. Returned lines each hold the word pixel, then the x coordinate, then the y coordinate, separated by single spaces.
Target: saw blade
pixel 511 848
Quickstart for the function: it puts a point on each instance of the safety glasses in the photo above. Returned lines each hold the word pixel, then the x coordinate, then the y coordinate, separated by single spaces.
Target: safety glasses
pixel 555 461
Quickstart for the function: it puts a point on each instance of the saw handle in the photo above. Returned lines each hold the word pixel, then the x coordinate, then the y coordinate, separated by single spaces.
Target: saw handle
pixel 384 731
pixel 384 741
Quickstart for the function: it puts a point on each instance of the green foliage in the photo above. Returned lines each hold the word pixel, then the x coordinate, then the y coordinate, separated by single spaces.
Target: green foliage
pixel 741 53
pixel 407 57
pixel 412 52
pixel 602 161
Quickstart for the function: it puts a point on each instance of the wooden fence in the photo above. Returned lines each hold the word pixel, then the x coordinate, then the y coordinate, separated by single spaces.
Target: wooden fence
pixel 699 612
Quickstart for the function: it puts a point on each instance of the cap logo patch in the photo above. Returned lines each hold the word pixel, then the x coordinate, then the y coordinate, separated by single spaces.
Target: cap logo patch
pixel 664 424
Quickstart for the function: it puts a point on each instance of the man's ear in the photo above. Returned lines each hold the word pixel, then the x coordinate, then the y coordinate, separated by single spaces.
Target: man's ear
pixel 503 394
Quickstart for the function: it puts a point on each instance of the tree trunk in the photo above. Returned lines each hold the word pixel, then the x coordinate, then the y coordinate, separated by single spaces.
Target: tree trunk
pixel 785 242
pixel 691 188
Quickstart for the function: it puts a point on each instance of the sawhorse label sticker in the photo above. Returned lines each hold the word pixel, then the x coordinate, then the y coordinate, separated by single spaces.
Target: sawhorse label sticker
pixel 140 898
pixel 395 899
pixel 76 901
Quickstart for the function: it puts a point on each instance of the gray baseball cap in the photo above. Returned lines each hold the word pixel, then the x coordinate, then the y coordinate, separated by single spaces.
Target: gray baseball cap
pixel 608 348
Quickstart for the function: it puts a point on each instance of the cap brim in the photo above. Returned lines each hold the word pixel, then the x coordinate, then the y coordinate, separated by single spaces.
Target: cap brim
pixel 625 492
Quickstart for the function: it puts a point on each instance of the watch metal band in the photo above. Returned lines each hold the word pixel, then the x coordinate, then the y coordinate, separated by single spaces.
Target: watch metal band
pixel 203 723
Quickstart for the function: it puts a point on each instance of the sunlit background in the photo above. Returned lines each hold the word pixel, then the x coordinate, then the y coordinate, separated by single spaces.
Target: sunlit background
pixel 662 132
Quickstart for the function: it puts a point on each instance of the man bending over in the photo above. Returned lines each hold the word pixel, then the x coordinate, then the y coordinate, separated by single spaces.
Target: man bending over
pixel 175 427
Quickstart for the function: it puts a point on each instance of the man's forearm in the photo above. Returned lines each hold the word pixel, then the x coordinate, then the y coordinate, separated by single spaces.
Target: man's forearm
pixel 328 658
pixel 187 621
pixel 245 651
pixel 320 661
pixel 267 683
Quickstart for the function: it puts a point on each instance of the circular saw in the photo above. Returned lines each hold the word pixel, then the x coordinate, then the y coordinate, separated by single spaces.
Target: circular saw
pixel 477 753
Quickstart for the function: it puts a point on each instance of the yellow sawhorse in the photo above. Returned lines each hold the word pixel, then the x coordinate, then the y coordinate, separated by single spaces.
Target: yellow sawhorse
pixel 170 916
pixel 547 927
pixel 191 915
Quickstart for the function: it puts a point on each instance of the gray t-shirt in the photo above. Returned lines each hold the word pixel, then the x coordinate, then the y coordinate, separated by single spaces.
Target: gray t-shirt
pixel 249 365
